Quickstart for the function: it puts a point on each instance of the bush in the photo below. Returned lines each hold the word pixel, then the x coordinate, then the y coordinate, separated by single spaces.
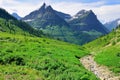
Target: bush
pixel 118 54
pixel 12 59
pixel 113 43
pixel 9 51
pixel 1 61
pixel 44 40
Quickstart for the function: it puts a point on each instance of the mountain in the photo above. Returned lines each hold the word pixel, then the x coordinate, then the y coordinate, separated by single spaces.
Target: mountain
pixel 48 20
pixel 45 16
pixel 16 16
pixel 79 29
pixel 112 25
pixel 87 21
pixel 86 25
pixel 37 13
pixel 106 50
pixel 10 24
pixel 49 17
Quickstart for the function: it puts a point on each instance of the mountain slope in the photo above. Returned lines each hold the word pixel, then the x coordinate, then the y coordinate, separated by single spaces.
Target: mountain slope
pixel 112 25
pixel 5 15
pixel 11 25
pixel 107 50
pixel 16 16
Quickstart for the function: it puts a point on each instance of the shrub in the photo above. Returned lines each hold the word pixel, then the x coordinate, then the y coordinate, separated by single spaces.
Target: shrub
pixel 113 43
pixel 44 40
pixel 9 51
pixel 118 54
pixel 1 61
pixel 78 57
pixel 12 59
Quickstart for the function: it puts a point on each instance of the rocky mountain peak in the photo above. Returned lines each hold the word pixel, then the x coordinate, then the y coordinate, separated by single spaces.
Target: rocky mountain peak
pixel 90 12
pixel 49 8
pixel 81 12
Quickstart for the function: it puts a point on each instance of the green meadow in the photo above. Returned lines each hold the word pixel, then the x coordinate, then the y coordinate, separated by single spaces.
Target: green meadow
pixel 33 58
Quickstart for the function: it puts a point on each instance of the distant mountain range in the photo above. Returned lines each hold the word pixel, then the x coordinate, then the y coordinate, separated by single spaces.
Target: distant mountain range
pixel 112 25
pixel 16 16
pixel 79 29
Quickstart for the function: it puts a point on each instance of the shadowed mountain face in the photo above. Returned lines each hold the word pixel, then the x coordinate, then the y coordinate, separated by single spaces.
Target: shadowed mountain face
pixel 4 14
pixel 79 29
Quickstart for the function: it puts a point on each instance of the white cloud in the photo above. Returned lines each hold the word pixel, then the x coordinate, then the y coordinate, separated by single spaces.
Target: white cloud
pixel 104 12
pixel 73 7
pixel 108 12
pixel 22 8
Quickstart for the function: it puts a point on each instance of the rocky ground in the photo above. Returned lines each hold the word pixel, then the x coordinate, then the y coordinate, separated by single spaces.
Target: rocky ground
pixel 101 72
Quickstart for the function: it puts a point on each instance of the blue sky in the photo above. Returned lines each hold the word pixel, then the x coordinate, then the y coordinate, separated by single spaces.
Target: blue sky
pixel 106 10
pixel 107 2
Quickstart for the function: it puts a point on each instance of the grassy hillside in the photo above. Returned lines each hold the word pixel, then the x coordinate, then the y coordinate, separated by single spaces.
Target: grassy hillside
pixel 18 27
pixel 10 24
pixel 33 58
pixel 7 26
pixel 107 50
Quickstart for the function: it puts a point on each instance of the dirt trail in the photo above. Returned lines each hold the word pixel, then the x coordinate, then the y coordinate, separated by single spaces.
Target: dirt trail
pixel 101 72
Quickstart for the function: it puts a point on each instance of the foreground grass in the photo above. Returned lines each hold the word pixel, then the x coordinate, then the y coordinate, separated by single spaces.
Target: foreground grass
pixel 33 58
pixel 13 72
